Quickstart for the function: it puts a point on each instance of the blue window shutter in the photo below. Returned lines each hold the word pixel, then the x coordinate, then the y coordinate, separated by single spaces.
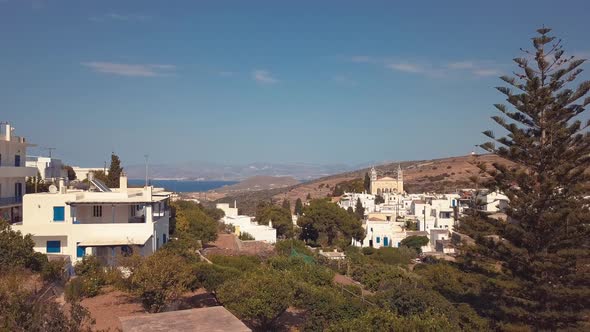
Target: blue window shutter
pixel 80 251
pixel 53 247
pixel 377 239
pixel 59 213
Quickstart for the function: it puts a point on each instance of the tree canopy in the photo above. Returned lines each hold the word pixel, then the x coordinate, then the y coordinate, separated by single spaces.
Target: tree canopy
pixel 324 222
pixel 535 259
pixel 115 171
pixel 280 217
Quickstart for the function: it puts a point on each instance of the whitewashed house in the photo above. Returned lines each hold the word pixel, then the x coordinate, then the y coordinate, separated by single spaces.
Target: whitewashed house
pixel 350 200
pixel 244 224
pixel 49 169
pixel 379 233
pixel 105 222
pixel 492 201
pixel 13 173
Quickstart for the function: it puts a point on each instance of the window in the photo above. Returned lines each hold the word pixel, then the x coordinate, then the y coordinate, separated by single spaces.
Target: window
pixel 126 251
pixel 53 247
pixel 445 215
pixel 59 213
pixel 164 239
pixel 97 211
pixel 377 240
pixel 17 160
pixel 80 251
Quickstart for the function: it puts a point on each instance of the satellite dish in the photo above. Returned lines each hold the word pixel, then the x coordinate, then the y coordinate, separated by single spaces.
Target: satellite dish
pixel 53 189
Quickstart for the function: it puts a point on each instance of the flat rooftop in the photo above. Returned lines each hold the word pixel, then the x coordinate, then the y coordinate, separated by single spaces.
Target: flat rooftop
pixel 212 319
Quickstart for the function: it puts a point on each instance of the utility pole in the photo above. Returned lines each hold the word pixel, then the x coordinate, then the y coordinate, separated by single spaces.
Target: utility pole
pixel 49 150
pixel 146 156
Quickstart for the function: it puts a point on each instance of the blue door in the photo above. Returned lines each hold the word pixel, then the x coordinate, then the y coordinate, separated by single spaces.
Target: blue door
pixel 53 247
pixel 385 241
pixel 59 213
pixel 80 251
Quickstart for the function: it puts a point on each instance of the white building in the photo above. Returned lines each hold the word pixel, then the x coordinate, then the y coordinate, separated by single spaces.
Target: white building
pixel 244 224
pixel 82 172
pixel 379 233
pixel 48 168
pixel 105 222
pixel 13 150
pixel 350 200
pixel 435 213
pixel 492 201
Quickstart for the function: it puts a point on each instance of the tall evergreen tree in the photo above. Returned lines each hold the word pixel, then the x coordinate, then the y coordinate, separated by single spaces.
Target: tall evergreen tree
pixel 286 204
pixel 298 207
pixel 359 210
pixel 539 258
pixel 115 171
pixel 367 182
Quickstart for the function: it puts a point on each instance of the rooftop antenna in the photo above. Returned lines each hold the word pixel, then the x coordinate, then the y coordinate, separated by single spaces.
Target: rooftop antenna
pixel 50 150
pixel 146 156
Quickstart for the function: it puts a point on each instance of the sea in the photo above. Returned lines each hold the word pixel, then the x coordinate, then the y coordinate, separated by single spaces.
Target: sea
pixel 183 185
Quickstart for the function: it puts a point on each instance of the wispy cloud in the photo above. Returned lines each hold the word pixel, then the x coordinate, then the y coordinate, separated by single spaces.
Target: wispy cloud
pixel 406 67
pixel 476 68
pixel 264 76
pixel 120 17
pixel 435 69
pixel 131 70
pixel 461 65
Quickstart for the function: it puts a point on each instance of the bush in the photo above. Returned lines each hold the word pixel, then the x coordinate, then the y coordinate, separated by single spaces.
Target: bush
pixel 258 297
pixel 284 247
pixel 54 271
pixel 245 236
pixel 37 261
pixel 241 263
pixel 212 276
pixel 160 279
pixel 74 290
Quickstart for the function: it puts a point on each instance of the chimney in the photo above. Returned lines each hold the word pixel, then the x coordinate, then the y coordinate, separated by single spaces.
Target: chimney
pixel 5 131
pixel 123 182
pixel 62 186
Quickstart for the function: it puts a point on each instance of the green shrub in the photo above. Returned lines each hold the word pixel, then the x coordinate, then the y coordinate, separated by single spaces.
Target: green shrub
pixel 242 263
pixel 54 271
pixel 245 236
pixel 74 290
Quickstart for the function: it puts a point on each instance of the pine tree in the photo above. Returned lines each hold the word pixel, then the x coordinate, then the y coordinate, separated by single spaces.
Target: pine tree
pixel 298 207
pixel 115 171
pixel 286 205
pixel 540 257
pixel 367 182
pixel 359 210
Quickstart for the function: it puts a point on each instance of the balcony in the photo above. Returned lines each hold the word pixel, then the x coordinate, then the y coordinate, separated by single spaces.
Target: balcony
pixel 11 171
pixel 10 201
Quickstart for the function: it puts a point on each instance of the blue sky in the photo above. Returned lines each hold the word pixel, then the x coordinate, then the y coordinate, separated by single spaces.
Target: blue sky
pixel 276 81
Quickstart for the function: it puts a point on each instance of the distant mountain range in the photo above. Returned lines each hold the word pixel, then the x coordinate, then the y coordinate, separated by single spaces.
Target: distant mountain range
pixel 215 171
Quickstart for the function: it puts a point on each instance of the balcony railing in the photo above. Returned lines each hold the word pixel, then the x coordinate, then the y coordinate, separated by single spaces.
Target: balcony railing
pixel 6 201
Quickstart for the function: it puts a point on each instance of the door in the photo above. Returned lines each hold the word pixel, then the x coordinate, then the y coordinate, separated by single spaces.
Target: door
pixel 385 242
pixel 17 160
pixel 18 191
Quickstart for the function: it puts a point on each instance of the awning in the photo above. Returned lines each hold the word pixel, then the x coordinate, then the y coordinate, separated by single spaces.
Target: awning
pixel 115 241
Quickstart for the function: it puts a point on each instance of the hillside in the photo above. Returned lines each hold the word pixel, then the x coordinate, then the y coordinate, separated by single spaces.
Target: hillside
pixel 441 175
pixel 257 183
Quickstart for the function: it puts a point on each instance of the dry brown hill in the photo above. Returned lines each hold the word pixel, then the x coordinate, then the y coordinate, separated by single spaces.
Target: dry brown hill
pixel 440 175
pixel 257 183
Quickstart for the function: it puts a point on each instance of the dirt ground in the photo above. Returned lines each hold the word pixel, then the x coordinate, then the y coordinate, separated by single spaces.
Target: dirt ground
pixel 229 245
pixel 107 307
